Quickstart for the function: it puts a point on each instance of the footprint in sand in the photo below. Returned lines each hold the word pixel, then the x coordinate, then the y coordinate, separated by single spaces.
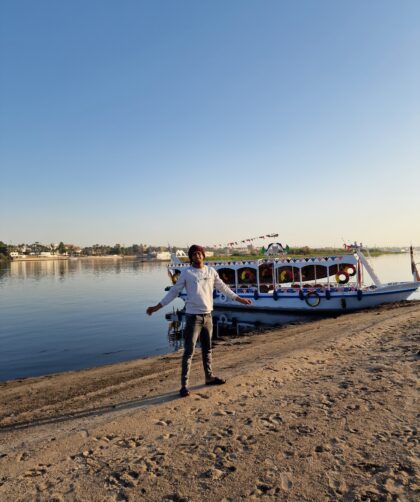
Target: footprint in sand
pixel 285 481
pixel 220 471
pixel 201 396
pixel 167 436
pixel 36 471
pixel 271 422
pixel 132 442
pixel 336 484
pixel 165 423
pixel 247 442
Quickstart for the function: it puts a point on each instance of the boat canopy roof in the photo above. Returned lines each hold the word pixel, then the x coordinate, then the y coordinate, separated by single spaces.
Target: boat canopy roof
pixel 325 261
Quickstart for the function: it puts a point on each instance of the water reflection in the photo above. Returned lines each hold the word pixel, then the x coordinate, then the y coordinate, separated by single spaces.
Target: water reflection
pixel 61 269
pixel 232 323
pixel 4 271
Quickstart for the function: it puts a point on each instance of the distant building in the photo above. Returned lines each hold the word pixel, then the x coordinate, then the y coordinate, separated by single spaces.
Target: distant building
pixel 163 256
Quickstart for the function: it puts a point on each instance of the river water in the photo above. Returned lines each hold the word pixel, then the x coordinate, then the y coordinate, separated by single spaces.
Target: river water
pixel 66 315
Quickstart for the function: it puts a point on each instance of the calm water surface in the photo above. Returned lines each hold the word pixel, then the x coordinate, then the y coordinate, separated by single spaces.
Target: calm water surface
pixel 65 315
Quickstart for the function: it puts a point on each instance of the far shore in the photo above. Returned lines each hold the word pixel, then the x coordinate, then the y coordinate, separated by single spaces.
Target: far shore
pixel 65 258
pixel 210 259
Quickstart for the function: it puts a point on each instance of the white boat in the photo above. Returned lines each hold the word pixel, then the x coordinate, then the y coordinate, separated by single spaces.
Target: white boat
pixel 306 285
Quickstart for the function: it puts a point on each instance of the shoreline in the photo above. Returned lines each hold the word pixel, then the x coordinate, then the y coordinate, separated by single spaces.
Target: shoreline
pixel 319 411
pixel 67 258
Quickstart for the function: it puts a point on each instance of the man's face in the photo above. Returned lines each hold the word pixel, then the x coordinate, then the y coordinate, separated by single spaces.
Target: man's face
pixel 197 259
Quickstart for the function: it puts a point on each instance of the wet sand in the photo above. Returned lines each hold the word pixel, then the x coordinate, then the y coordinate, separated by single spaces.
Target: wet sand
pixel 320 411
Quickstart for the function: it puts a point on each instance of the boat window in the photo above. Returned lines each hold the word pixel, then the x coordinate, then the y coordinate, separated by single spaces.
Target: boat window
pixel 321 271
pixel 227 275
pixel 333 269
pixel 247 276
pixel 266 277
pixel 266 273
pixel 287 274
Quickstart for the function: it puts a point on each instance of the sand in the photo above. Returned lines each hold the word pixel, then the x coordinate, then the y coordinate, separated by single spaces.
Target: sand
pixel 319 411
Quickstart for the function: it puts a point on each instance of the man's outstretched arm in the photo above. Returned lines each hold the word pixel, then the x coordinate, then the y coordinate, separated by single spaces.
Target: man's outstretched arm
pixel 171 295
pixel 155 308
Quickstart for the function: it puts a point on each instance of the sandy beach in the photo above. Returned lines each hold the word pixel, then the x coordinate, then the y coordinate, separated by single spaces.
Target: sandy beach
pixel 319 411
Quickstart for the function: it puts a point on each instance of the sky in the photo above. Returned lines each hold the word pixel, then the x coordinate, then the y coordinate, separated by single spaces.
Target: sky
pixel 177 121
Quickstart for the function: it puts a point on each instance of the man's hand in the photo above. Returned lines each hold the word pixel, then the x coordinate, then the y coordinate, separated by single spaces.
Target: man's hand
pixel 244 301
pixel 155 308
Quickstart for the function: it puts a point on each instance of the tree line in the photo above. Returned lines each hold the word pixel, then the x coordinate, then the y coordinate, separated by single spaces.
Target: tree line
pixel 36 248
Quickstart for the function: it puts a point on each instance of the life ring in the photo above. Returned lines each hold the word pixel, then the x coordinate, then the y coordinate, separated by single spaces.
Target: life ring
pixel 316 299
pixel 223 298
pixel 339 277
pixel 350 270
pixel 285 276
pixel 247 276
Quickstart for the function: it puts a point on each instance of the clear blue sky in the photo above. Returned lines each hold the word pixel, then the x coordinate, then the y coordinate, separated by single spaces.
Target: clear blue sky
pixel 210 121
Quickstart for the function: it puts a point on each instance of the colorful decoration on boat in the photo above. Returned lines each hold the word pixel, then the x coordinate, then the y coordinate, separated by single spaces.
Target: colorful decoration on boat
pixel 275 248
pixel 246 241
pixel 350 270
pixel 342 277
pixel 247 276
pixel 286 276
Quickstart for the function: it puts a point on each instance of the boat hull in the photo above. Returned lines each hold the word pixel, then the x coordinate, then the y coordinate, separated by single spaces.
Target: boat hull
pixel 320 301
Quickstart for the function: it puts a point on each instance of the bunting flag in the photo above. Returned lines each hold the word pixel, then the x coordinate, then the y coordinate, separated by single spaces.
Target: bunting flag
pixel 245 241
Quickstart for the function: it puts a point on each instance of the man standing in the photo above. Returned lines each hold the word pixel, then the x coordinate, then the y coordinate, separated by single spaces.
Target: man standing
pixel 199 282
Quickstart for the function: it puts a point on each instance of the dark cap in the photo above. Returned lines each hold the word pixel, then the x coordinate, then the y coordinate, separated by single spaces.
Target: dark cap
pixel 193 249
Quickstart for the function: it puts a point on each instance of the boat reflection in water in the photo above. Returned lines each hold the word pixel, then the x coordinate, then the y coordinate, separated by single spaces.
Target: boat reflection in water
pixel 233 322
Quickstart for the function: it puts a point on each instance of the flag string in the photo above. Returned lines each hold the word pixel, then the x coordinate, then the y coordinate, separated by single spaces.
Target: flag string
pixel 250 240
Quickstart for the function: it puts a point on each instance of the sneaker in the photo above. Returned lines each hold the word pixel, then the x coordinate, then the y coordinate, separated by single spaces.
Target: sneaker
pixel 215 381
pixel 184 392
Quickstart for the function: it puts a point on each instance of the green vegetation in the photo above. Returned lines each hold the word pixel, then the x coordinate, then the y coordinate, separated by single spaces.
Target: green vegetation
pixel 143 251
pixel 4 252
pixel 302 252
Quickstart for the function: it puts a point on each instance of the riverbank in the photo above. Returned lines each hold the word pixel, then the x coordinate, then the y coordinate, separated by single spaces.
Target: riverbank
pixel 318 411
pixel 99 258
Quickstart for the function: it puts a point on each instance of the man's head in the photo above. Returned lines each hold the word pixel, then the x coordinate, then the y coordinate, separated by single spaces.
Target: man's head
pixel 194 252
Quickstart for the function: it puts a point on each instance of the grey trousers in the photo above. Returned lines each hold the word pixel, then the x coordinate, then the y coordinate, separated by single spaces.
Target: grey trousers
pixel 197 325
